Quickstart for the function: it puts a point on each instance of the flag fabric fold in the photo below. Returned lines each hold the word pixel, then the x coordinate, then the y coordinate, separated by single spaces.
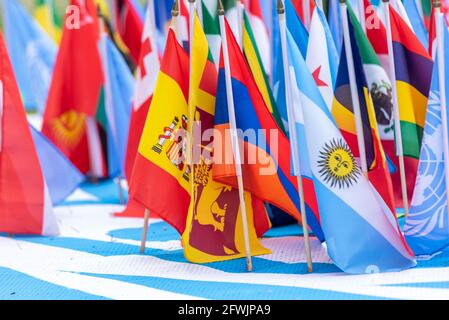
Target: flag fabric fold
pixel 25 204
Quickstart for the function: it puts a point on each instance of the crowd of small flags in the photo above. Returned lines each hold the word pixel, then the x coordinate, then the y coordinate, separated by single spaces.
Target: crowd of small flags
pixel 351 97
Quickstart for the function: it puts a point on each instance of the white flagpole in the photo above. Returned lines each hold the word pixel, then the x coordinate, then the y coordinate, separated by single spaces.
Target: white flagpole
pixel 293 133
pixel 362 19
pixel 306 12
pixel 397 119
pixel 353 86
pixel 234 136
pixel 240 14
pixel 439 25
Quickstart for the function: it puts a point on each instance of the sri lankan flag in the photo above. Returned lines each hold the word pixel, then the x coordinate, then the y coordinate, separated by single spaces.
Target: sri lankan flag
pixel 343 112
pixel 255 63
pixel 413 67
pixel 214 212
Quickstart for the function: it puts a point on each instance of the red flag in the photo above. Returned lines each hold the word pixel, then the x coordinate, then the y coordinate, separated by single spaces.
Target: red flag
pixel 147 72
pixel 75 89
pixel 25 205
pixel 130 27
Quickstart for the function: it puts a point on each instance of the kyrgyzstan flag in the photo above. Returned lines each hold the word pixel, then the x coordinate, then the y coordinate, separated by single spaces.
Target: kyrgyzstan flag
pixel 75 92
pixel 25 205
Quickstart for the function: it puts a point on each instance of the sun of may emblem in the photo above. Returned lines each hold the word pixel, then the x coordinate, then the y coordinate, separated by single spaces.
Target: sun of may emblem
pixel 337 164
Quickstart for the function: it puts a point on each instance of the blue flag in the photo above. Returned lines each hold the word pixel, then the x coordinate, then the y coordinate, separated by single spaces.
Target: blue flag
pixel 426 228
pixel 361 232
pixel 417 22
pixel 335 23
pixel 61 176
pixel 119 91
pixel 301 38
pixel 32 53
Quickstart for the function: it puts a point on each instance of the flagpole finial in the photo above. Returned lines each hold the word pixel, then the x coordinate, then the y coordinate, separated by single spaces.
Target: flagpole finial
pixel 342 1
pixel 280 7
pixel 192 1
pixel 220 8
pixel 175 9
pixel 436 3
pixel 386 1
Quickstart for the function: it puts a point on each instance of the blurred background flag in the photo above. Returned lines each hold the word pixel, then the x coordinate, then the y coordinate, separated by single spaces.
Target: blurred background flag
pixel 33 54
pixel 118 91
pixel 46 14
pixel 416 21
pixel 25 204
pixel 61 176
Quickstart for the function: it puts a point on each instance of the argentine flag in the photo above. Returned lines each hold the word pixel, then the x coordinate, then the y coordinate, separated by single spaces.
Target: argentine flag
pixel 427 228
pixel 32 53
pixel 361 233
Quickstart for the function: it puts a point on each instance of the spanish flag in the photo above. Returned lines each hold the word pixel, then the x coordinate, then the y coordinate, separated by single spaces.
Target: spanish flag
pixel 343 112
pixel 413 76
pixel 214 212
pixel 160 179
pixel 269 176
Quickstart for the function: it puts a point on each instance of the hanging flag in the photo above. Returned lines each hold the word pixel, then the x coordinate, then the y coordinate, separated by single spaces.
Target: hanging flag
pixel 360 231
pixel 343 110
pixel 33 54
pixel 214 213
pixel 268 144
pixel 75 93
pixel 129 22
pixel 416 21
pixel 427 227
pixel 322 57
pixel 45 13
pixel 301 37
pixel 118 92
pixel 25 204
pixel 254 60
pixel 61 176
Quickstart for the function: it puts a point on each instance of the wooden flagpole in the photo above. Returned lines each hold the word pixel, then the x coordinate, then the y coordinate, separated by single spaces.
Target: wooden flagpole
pixel 442 81
pixel 353 85
pixel 397 119
pixel 234 137
pixel 293 133
pixel 146 220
